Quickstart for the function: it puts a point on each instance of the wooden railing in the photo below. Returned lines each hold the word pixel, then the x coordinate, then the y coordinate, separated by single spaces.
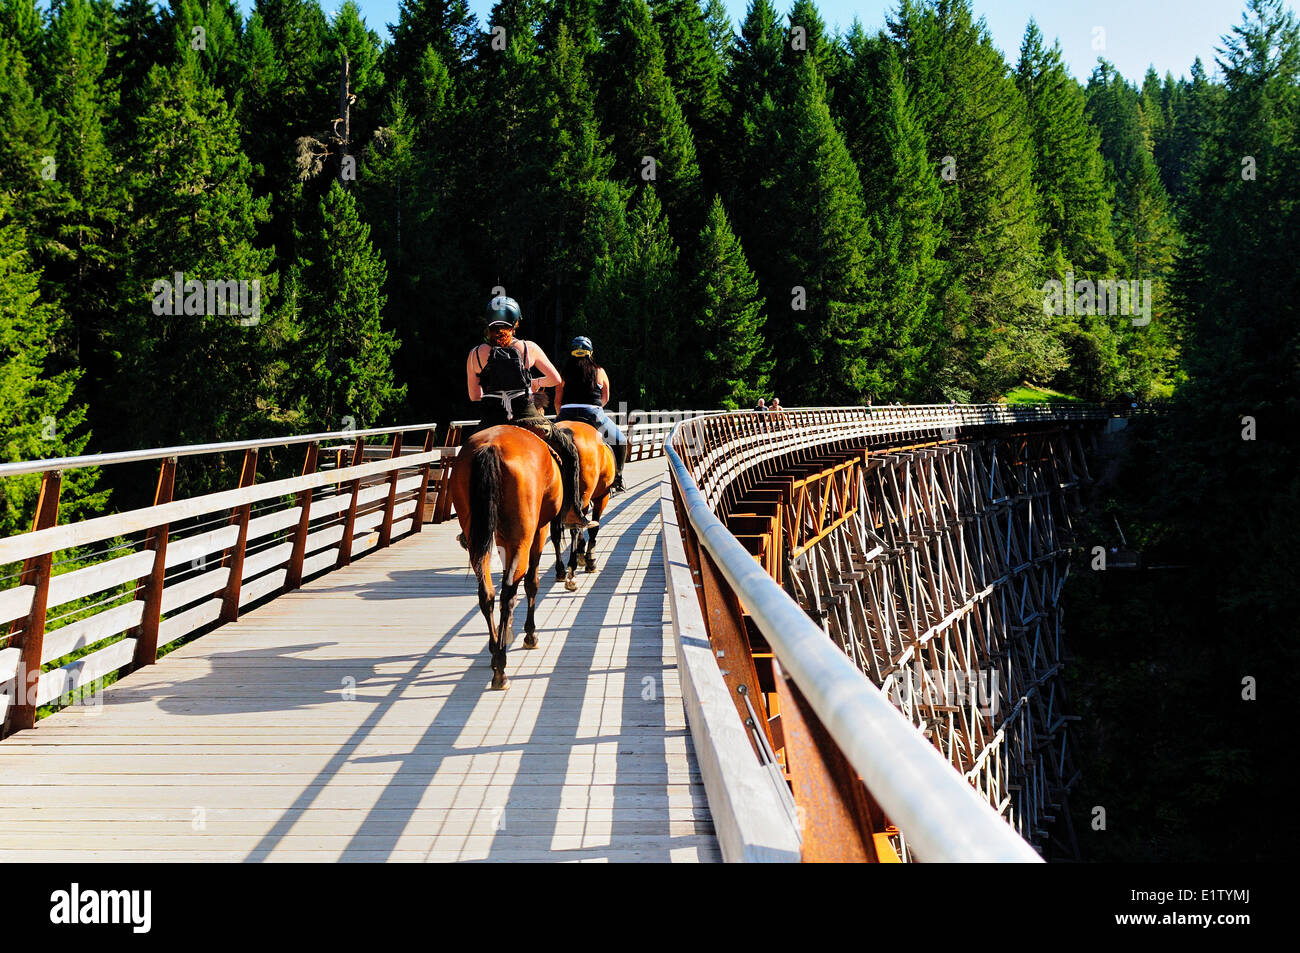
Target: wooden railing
pixel 162 572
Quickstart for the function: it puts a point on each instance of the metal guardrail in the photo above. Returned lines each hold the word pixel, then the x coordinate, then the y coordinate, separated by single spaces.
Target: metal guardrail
pixel 942 817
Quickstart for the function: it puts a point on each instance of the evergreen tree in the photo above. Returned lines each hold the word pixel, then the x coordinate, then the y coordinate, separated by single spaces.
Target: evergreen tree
pixel 1146 235
pixel 21 22
pixel 1074 197
pixel 136 41
pixel 342 358
pixel 809 238
pixel 187 173
pixel 449 26
pixel 79 245
pixel 978 134
pixel 695 70
pixel 721 30
pixel 650 139
pixel 633 306
pixel 727 339
pixel 26 136
pixel 209 31
pixel 904 202
pixel 807 37
pixel 39 416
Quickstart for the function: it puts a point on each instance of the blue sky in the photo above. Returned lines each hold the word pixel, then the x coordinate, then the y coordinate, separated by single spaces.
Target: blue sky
pixel 1168 34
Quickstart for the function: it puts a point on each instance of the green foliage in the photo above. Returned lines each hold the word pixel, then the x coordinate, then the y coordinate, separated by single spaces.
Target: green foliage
pixel 727 337
pixel 633 305
pixel 994 329
pixel 185 169
pixel 39 417
pixel 638 108
pixel 341 359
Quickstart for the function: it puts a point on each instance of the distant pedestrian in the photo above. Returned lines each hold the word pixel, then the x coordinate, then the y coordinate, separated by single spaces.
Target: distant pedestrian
pixel 761 405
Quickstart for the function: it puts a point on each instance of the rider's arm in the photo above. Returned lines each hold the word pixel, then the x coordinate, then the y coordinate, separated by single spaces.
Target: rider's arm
pixel 550 376
pixel 603 380
pixel 471 378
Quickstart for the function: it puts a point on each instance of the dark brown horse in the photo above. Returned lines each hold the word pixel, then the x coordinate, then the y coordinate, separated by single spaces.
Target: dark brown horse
pixel 597 476
pixel 506 486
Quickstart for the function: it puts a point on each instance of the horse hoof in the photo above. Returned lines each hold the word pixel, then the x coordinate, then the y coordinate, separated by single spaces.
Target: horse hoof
pixel 591 565
pixel 499 682
pixel 530 641
pixel 570 585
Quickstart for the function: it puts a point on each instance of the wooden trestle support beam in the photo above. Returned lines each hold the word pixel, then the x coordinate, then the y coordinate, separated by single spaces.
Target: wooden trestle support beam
pixel 938 568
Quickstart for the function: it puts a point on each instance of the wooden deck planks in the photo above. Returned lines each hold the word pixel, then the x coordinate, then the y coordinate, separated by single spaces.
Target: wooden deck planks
pixel 349 721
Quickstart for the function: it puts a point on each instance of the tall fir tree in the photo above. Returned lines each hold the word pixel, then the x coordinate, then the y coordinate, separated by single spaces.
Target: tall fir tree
pixel 632 307
pixel 639 110
pixel 186 169
pixel 81 253
pixel 695 70
pixel 342 354
pixel 1146 234
pixel 978 135
pixel 721 30
pixel 40 417
pixel 809 238
pixel 903 200
pixel 728 320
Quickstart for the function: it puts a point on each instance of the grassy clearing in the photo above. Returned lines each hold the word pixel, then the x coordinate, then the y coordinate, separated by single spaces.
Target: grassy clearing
pixel 1029 394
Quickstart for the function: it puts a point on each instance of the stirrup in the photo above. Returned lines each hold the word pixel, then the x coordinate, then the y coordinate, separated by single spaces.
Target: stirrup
pixel 617 486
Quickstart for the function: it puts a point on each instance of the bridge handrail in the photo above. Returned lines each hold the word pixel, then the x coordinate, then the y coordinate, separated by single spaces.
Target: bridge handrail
pixel 265 540
pixel 60 464
pixel 943 818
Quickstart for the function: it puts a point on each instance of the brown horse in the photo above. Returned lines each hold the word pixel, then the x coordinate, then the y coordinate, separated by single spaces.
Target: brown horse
pixel 506 486
pixel 597 477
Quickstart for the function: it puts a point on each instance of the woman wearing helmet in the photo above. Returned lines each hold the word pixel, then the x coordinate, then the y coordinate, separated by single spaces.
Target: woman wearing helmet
pixel 499 376
pixel 583 394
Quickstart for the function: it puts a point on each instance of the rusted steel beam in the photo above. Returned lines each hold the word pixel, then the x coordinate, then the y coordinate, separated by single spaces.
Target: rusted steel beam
pixel 146 646
pixel 834 811
pixel 731 648
pixel 29 632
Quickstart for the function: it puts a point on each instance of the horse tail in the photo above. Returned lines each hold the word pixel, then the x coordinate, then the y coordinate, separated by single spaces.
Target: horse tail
pixel 484 501
pixel 572 469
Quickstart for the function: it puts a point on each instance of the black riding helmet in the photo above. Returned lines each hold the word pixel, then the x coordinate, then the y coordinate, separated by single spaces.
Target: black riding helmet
pixel 502 310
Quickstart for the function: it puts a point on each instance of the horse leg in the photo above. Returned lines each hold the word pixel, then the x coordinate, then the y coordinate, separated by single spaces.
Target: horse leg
pixel 590 557
pixel 487 605
pixel 510 578
pixel 574 536
pixel 557 531
pixel 530 589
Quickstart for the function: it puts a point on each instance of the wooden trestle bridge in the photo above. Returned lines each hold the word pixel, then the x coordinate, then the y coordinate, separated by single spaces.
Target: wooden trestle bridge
pixel 827 634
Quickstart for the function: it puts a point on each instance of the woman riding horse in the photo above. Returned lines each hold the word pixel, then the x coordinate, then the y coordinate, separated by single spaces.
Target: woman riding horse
pixel 499 377
pixel 583 394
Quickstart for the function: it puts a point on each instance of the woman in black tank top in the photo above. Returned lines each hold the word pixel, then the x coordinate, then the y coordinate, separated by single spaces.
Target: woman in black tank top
pixel 583 396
